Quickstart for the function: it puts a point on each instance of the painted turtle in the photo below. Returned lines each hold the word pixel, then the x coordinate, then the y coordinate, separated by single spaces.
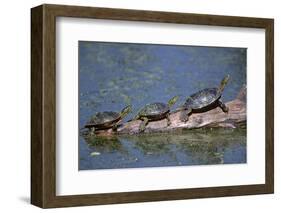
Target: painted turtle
pixel 155 111
pixel 204 100
pixel 107 119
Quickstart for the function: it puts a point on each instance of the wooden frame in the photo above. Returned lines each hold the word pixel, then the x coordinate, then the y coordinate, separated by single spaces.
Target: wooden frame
pixel 43 105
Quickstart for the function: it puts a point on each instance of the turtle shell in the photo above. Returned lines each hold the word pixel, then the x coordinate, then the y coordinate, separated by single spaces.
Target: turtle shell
pixel 154 110
pixel 203 98
pixel 103 120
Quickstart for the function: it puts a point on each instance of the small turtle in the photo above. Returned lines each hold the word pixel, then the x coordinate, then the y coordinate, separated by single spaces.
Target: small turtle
pixel 204 100
pixel 107 119
pixel 155 111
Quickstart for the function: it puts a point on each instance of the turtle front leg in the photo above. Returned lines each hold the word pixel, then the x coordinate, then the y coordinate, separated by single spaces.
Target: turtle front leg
pixel 223 106
pixel 143 124
pixel 184 116
pixel 114 127
pixel 168 119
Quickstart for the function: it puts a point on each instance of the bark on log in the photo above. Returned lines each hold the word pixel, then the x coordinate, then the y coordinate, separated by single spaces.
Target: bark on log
pixel 236 117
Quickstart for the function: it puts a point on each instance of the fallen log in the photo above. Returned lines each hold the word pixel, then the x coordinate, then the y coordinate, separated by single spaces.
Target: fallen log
pixel 236 117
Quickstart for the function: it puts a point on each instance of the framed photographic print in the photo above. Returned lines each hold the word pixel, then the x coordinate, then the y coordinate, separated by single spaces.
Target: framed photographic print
pixel 137 106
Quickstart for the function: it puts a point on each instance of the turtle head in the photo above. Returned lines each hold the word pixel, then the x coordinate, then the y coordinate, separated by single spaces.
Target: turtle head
pixel 126 111
pixel 224 82
pixel 173 100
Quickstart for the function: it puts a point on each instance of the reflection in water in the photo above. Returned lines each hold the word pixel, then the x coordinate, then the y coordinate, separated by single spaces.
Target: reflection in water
pixel 112 75
pixel 191 147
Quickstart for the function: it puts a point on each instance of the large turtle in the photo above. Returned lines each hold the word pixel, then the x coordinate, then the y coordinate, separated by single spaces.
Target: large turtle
pixel 204 100
pixel 155 111
pixel 107 119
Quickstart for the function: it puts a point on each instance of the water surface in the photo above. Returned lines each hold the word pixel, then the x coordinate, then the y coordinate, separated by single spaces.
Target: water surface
pixel 113 75
pixel 191 147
